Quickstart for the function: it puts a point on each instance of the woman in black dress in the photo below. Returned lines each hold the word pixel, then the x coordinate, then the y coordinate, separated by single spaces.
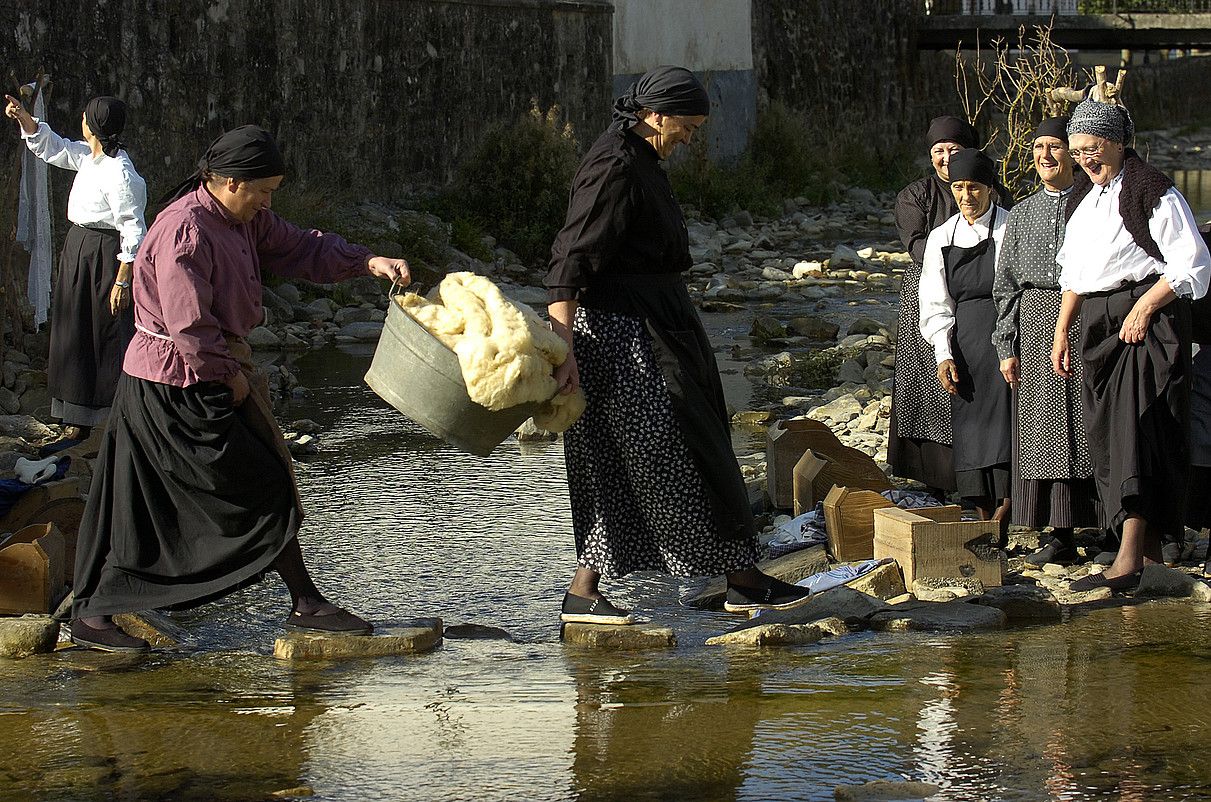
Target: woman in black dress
pixel 653 480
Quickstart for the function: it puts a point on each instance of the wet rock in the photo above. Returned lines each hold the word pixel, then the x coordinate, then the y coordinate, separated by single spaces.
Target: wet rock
pixel 777 634
pixel 288 293
pixel 765 328
pixel 885 582
pixel 368 331
pixel 25 427
pixel 955 616
pixel 302 445
pixel 885 791
pixel 812 327
pixel 293 793
pixel 155 628
pixel 754 417
pixel 789 568
pixel 418 635
pixel 476 632
pixel 263 339
pixel 844 603
pixel 27 635
pixel 1160 581
pixel 1022 603
pixel 305 426
pixel 358 314
pixel 604 636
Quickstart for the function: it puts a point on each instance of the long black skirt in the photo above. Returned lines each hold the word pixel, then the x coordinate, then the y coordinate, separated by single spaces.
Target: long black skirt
pixel 1137 404
pixel 190 500
pixel 87 342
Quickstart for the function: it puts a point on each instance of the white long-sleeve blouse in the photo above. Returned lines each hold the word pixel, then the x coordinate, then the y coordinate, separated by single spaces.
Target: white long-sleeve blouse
pixel 108 192
pixel 937 306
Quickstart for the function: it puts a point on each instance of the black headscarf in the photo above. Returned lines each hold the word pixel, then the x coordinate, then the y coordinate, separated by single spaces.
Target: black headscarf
pixel 668 90
pixel 971 164
pixel 952 129
pixel 247 152
pixel 1053 126
pixel 106 117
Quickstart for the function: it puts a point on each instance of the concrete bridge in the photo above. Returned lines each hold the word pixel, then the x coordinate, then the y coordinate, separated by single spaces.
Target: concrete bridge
pixel 950 21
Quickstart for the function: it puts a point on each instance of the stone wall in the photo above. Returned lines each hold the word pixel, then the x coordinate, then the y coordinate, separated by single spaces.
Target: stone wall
pixel 1170 94
pixel 366 96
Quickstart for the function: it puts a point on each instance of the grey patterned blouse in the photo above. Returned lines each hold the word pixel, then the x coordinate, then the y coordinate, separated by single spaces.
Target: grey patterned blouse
pixel 1033 235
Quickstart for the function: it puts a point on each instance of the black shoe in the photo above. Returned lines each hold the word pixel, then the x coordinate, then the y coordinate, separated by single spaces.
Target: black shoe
pixel 1125 582
pixel 111 639
pixel 1055 551
pixel 579 610
pixel 778 596
pixel 338 622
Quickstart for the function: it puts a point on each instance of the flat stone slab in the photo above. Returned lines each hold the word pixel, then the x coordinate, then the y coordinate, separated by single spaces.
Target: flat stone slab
pixel 413 637
pixel 28 635
pixel 850 606
pixel 616 637
pixel 789 568
pixel 476 632
pixel 155 628
pixel 884 791
pixel 885 582
pixel 1028 604
pixel 781 634
pixel 955 616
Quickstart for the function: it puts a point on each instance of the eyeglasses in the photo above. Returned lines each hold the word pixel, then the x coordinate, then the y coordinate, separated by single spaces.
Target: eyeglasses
pixel 1088 153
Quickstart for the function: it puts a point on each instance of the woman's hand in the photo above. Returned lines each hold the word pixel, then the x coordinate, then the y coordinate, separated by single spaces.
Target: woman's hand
pixel 1061 360
pixel 1009 369
pixel 395 270
pixel 14 110
pixel 567 376
pixel 1135 325
pixel 948 376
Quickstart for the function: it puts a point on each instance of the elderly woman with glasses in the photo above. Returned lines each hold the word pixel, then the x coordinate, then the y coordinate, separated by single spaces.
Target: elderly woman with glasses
pixel 1131 256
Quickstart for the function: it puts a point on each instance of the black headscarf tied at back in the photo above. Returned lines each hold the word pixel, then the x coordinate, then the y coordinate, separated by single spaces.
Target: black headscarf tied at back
pixel 1056 127
pixel 668 90
pixel 248 152
pixel 951 129
pixel 106 117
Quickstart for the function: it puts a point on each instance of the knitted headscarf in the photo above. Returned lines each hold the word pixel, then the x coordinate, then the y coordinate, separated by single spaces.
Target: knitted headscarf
pixel 1102 119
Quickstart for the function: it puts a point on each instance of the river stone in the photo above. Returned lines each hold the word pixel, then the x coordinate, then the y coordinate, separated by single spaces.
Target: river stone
pixel 841 410
pixel 885 582
pixel 476 632
pixel 867 326
pixel 1159 580
pixel 842 603
pixel 775 274
pixel 29 634
pixel 283 310
pixel 813 327
pixel 850 372
pixel 10 402
pixel 368 331
pixel 321 309
pixel 771 635
pixel 288 293
pixel 155 628
pixel 263 338
pixel 418 635
pixel 618 637
pixel 789 568
pixel 805 269
pixel 358 314
pixel 959 585
pixel 25 427
pixel 955 616
pixel 885 791
pixel 766 328
pixel 844 256
pixel 754 417
pixel 1022 603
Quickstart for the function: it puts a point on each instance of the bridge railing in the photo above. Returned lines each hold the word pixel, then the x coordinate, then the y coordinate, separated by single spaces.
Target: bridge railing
pixel 1066 7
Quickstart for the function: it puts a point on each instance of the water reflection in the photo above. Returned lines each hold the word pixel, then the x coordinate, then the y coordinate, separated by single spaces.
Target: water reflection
pixel 1195 186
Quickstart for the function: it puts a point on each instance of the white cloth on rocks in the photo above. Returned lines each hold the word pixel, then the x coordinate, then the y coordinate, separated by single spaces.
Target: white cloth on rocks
pixel 1099 252
pixel 937 307
pixel 504 348
pixel 34 226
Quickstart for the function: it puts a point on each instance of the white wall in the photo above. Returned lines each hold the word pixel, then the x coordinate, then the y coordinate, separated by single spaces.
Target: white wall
pixel 700 35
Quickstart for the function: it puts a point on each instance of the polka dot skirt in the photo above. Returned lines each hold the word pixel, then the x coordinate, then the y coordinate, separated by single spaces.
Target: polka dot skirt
pixel 638 501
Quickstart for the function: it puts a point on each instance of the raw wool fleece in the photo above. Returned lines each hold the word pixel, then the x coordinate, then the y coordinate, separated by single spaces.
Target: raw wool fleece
pixel 505 350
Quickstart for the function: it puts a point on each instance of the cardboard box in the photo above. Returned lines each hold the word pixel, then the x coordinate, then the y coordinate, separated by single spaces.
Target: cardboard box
pixel 58 503
pixel 32 570
pixel 786 443
pixel 849 517
pixel 933 542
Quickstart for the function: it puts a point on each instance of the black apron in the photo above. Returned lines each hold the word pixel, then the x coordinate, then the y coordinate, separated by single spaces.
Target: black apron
pixel 980 411
pixel 687 361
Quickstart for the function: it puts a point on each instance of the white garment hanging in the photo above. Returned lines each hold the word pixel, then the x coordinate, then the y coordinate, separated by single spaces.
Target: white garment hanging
pixel 34 225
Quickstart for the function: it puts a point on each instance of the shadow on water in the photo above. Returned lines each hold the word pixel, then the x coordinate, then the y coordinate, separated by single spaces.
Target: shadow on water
pixel 1110 706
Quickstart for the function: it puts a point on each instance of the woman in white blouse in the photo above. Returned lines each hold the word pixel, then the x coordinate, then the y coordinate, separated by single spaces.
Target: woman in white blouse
pixel 1132 251
pixel 958 315
pixel 91 321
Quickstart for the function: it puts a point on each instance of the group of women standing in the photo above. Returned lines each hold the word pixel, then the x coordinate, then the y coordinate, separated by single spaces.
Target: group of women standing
pixel 1053 421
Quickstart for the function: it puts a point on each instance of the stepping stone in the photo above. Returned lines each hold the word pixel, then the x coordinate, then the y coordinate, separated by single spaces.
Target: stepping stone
pixel 618 637
pixel 781 634
pixel 155 628
pixel 27 635
pixel 1161 581
pixel 412 637
pixel 955 616
pixel 476 632
pixel 789 568
pixel 1023 603
pixel 884 791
